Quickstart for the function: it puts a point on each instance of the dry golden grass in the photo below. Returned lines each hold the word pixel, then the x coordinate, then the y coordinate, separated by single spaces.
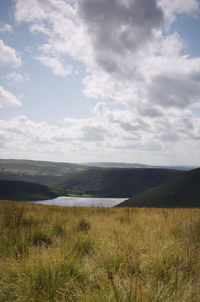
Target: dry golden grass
pixel 50 253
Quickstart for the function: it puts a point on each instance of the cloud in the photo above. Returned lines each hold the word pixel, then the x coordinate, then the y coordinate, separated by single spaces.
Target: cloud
pixel 133 60
pixel 108 134
pixel 61 25
pixel 115 59
pixel 41 9
pixel 55 64
pixel 5 28
pixel 39 28
pixel 167 80
pixel 93 134
pixel 65 34
pixel 17 78
pixel 175 90
pixel 8 55
pixel 119 28
pixel 8 99
pixel 173 8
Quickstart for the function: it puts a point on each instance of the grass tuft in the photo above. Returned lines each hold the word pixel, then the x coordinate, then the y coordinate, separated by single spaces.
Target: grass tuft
pixel 42 239
pixel 83 226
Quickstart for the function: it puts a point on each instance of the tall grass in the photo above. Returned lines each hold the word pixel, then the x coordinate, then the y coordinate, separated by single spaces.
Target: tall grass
pixel 50 253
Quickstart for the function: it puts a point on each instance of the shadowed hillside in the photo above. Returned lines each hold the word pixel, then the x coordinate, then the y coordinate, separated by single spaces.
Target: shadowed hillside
pixel 20 190
pixel 113 182
pixel 183 191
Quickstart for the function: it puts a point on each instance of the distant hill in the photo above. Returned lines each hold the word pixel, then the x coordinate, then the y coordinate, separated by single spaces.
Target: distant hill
pixel 183 191
pixel 20 190
pixel 49 173
pixel 42 172
pixel 136 165
pixel 113 182
pixel 117 165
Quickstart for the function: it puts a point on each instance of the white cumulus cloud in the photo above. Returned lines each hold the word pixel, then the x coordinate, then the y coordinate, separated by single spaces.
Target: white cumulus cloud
pixel 17 78
pixel 8 99
pixel 5 28
pixel 55 64
pixel 9 55
pixel 108 134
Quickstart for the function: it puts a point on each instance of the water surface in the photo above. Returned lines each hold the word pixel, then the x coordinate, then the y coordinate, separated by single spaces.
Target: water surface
pixel 82 201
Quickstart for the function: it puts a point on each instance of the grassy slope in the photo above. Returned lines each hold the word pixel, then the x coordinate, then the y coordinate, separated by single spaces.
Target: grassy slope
pixel 20 190
pixel 98 254
pixel 183 191
pixel 42 172
pixel 113 182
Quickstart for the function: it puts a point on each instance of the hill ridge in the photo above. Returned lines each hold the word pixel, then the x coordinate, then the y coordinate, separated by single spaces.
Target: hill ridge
pixel 182 191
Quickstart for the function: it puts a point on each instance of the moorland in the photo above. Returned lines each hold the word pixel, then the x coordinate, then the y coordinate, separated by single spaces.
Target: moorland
pixel 51 254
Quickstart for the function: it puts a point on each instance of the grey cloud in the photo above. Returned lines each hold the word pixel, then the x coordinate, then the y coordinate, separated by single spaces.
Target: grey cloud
pixel 188 123
pixel 195 137
pixel 177 90
pixel 196 76
pixel 117 27
pixel 129 127
pixel 135 125
pixel 93 134
pixel 149 111
pixel 129 124
pixel 170 137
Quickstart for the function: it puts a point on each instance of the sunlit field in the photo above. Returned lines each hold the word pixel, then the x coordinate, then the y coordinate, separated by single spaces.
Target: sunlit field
pixel 50 253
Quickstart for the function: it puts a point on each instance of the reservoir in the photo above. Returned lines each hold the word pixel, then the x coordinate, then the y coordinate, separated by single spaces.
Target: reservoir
pixel 82 201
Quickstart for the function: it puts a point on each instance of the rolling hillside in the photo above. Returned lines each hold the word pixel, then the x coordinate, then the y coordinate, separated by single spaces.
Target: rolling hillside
pixel 42 172
pixel 113 182
pixel 183 191
pixel 20 190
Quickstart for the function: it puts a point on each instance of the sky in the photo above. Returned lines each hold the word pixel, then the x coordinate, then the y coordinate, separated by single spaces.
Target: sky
pixel 100 80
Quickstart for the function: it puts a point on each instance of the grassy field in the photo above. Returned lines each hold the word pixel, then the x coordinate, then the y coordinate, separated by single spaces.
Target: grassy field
pixel 50 253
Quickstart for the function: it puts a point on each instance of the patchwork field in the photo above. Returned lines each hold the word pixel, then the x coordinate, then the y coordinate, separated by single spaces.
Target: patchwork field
pixel 50 253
